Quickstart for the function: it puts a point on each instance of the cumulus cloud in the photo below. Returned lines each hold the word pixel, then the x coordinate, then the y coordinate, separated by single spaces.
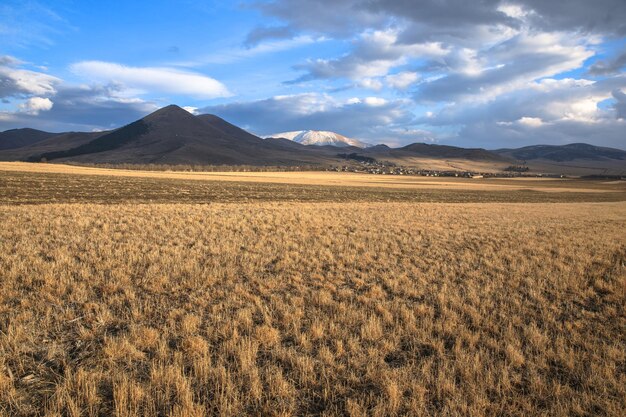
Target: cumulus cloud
pixel 94 107
pixel 530 121
pixel 452 21
pixel 371 118
pixel 46 102
pixel 551 111
pixel 374 54
pixel 507 67
pixel 402 80
pixel 34 105
pixel 549 99
pixel 599 16
pixel 539 37
pixel 79 108
pixel 15 81
pixel 491 136
pixel 152 79
pixel 450 17
pixel 371 84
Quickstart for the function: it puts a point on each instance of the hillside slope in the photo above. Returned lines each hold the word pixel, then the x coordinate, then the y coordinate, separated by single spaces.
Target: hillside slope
pixel 17 138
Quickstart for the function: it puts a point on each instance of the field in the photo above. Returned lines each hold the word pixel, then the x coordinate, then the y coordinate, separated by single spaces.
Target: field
pixel 132 293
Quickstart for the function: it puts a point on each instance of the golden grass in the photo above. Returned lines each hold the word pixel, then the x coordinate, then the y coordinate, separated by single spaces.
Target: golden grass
pixel 343 179
pixel 32 187
pixel 313 309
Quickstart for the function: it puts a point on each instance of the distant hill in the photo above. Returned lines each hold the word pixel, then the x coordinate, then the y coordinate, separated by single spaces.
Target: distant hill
pixel 17 138
pixel 320 138
pixel 564 153
pixel 451 152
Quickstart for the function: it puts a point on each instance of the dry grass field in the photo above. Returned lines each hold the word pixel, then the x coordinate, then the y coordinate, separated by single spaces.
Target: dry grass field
pixel 265 298
pixel 24 183
pixel 323 178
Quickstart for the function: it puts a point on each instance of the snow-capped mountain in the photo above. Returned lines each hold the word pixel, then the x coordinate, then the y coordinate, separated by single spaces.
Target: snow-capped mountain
pixel 319 137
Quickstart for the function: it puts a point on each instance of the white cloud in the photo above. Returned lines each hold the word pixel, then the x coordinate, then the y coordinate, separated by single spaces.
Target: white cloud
pixel 451 19
pixel 571 99
pixel 16 81
pixel 530 121
pixel 374 54
pixel 402 80
pixel 510 66
pixel 191 109
pixel 152 79
pixel 34 105
pixel 375 101
pixel 371 83
pixel 78 108
pixel 551 111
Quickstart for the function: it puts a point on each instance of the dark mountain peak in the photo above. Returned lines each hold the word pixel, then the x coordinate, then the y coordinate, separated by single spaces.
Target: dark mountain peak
pixel 171 113
pixel 171 109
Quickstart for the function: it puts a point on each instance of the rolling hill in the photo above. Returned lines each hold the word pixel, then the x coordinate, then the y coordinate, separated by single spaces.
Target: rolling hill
pixel 17 138
pixel 564 153
pixel 573 159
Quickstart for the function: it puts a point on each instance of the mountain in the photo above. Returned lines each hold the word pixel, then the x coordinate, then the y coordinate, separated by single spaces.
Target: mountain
pixel 170 135
pixel 227 128
pixel 17 138
pixel 174 136
pixel 564 153
pixel 320 138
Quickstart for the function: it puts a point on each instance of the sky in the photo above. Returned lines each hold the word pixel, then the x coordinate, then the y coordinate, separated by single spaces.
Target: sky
pixel 485 73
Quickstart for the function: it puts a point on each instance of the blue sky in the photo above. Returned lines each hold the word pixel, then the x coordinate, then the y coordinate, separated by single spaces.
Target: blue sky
pixel 476 74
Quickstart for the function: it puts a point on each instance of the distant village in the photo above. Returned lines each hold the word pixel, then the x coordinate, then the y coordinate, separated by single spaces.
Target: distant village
pixel 372 166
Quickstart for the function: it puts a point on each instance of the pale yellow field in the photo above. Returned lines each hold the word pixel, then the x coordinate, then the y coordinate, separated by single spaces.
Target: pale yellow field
pixel 310 293
pixel 382 309
pixel 333 179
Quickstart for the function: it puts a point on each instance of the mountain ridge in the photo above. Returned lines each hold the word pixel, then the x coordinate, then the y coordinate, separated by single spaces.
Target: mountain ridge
pixel 172 135
pixel 17 138
pixel 564 153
